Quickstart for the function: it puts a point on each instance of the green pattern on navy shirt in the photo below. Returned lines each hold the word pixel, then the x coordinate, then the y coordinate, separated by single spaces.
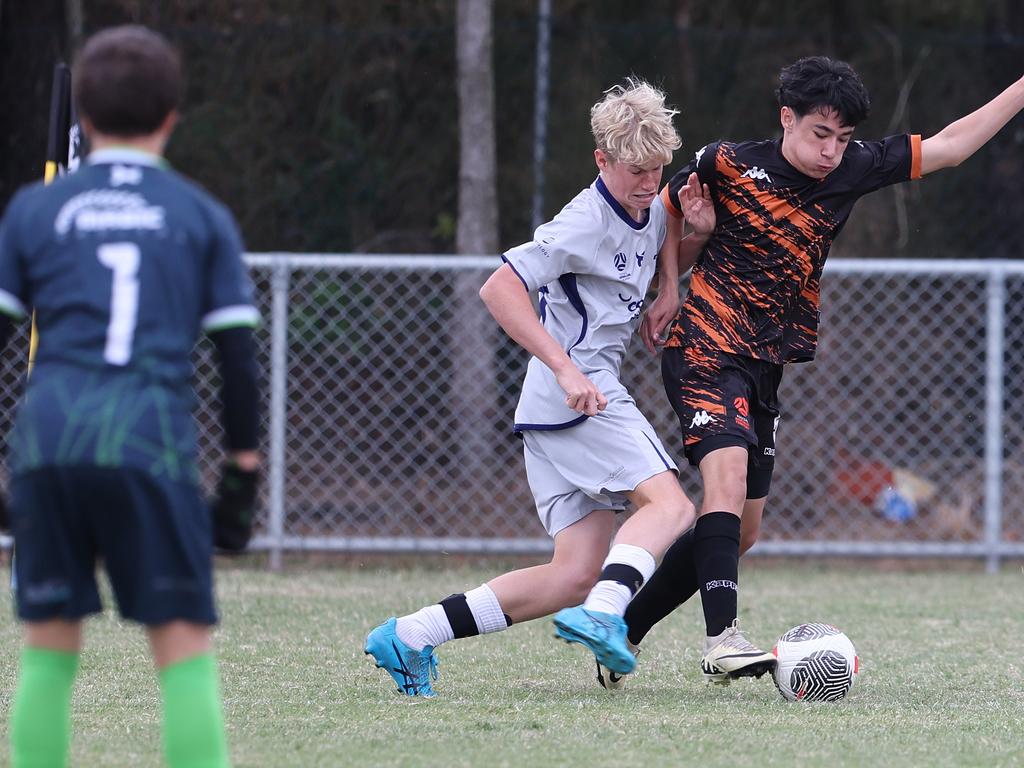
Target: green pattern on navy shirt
pixel 111 385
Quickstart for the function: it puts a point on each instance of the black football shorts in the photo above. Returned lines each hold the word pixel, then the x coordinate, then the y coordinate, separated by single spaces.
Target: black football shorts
pixel 724 400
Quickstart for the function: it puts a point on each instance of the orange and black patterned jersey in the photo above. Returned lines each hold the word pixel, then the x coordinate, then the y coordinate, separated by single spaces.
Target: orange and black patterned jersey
pixel 754 289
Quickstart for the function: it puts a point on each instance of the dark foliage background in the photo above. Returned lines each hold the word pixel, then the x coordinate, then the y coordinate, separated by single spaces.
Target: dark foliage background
pixel 331 126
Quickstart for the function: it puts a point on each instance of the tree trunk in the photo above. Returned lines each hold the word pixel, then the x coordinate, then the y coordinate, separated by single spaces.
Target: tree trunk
pixel 473 330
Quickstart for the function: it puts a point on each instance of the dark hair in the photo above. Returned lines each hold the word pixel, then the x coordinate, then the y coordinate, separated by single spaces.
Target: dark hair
pixel 127 80
pixel 817 83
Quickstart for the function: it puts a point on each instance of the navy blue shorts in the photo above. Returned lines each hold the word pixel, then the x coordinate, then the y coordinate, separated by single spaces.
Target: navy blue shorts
pixel 153 536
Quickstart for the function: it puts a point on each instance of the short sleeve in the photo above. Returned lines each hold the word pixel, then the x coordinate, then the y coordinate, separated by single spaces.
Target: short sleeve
pixel 703 164
pixel 877 164
pixel 12 282
pixel 566 244
pixel 228 291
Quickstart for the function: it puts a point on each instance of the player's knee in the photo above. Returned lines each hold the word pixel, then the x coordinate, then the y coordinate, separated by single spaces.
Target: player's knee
pixel 682 514
pixel 577 580
pixel 728 493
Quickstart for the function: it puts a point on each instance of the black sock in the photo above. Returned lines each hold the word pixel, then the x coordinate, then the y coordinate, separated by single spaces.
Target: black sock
pixel 459 615
pixel 623 574
pixel 716 552
pixel 673 583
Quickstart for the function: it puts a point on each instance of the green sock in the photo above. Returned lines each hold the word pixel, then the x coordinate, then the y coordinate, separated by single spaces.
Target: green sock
pixel 193 724
pixel 41 711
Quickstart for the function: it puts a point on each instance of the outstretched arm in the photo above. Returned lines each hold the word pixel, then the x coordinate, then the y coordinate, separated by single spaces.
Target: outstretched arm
pixel 507 300
pixel 961 139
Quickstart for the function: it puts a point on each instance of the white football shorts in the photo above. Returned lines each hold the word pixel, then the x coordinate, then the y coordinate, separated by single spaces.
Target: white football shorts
pixel 575 471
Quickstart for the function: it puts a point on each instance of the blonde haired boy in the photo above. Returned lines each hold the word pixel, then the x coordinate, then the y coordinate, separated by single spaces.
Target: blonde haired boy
pixel 587 447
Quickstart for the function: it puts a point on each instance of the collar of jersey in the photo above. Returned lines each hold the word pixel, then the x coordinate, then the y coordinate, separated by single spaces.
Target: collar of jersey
pixel 619 210
pixel 125 155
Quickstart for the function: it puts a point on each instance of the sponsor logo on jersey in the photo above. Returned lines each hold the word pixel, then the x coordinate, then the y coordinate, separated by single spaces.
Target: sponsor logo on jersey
pixel 102 210
pixel 769 451
pixel 757 173
pixel 700 419
pixel 635 306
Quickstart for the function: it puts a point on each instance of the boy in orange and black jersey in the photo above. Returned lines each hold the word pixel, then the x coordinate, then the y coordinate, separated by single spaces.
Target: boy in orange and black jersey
pixel 763 217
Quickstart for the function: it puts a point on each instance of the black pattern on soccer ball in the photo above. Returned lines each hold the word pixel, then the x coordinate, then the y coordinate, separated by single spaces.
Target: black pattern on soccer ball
pixel 809 632
pixel 821 676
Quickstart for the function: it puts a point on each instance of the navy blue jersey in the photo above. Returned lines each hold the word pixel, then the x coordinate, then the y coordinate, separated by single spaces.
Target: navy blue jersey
pixel 124 262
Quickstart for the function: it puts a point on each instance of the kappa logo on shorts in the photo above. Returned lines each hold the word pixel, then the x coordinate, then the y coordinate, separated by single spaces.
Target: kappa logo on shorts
pixel 700 419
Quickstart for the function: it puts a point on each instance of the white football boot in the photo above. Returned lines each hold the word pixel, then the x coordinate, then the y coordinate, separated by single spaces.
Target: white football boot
pixel 611 680
pixel 730 655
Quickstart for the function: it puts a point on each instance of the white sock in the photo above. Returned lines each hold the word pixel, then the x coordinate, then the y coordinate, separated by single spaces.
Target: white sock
pixel 486 611
pixel 611 596
pixel 428 626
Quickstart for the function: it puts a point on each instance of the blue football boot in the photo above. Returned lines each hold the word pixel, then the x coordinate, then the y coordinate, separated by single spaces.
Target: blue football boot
pixel 411 670
pixel 603 633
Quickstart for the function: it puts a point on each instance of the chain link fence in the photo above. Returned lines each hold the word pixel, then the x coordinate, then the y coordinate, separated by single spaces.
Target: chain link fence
pixel 389 397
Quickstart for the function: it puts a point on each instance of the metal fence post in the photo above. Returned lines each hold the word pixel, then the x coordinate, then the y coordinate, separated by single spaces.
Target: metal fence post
pixel 280 281
pixel 994 351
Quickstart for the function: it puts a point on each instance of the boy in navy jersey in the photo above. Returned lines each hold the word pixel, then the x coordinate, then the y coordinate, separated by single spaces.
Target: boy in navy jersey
pixel 587 446
pixel 124 262
pixel 764 215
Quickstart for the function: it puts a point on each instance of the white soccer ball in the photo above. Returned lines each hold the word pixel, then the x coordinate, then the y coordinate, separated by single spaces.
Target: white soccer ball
pixel 817 662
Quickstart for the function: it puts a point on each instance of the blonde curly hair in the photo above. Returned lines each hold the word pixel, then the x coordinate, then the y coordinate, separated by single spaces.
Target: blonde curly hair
pixel 631 124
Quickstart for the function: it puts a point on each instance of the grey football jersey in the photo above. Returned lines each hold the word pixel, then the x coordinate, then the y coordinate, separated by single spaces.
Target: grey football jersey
pixel 592 265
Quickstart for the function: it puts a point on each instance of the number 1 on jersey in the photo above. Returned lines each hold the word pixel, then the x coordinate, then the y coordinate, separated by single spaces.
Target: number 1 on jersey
pixel 123 259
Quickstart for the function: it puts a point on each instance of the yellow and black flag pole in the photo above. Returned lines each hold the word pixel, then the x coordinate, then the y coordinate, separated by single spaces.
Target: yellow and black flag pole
pixel 57 148
pixel 60 121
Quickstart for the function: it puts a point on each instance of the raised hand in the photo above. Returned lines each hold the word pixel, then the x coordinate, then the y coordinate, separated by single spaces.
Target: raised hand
pixel 697 207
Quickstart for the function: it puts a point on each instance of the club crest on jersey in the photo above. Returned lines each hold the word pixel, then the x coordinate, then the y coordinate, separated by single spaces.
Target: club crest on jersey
pixel 640 258
pixel 102 210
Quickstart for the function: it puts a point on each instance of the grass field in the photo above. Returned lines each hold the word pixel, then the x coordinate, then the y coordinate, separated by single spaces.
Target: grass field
pixel 942 678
